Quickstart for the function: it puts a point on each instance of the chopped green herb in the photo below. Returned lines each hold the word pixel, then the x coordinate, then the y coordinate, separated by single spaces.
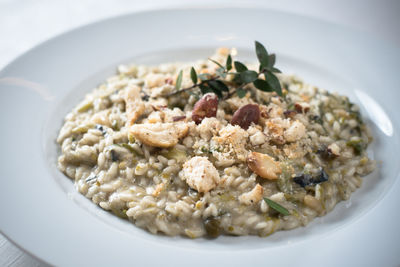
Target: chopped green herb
pixel 357 145
pixel 277 207
pixel 175 153
pixel 212 226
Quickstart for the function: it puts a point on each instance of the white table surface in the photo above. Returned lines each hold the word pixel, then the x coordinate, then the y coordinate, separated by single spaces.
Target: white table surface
pixel 26 23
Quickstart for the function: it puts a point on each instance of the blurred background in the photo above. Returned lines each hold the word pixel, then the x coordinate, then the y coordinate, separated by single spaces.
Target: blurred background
pixel 26 23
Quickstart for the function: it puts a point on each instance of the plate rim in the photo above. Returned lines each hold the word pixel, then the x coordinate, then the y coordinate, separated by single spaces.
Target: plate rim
pixel 149 11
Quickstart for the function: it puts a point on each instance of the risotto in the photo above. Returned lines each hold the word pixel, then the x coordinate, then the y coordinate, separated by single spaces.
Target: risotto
pixel 197 164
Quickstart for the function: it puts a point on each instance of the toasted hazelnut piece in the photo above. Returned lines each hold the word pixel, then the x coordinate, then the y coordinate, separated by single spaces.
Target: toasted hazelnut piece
pixel 246 115
pixel 200 174
pixel 134 104
pixel 263 165
pixel 302 107
pixel 206 107
pixel 178 118
pixel 254 196
pixel 159 134
pixel 313 203
pixel 290 114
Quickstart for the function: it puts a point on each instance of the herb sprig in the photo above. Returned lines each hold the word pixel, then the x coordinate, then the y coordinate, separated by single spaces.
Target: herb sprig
pixel 242 77
pixel 282 210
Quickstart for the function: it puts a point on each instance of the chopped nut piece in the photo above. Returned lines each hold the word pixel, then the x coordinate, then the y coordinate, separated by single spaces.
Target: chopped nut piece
pixel 302 107
pixel 289 114
pixel 169 80
pixel 206 107
pixel 159 134
pixel 254 196
pixel 295 132
pixel 275 129
pixel 134 104
pixel 246 115
pixel 178 118
pixel 233 138
pixel 200 174
pixel 263 165
pixel 257 139
pixel 335 149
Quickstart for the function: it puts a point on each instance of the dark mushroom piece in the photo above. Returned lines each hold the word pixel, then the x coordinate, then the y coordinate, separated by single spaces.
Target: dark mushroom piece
pixel 306 179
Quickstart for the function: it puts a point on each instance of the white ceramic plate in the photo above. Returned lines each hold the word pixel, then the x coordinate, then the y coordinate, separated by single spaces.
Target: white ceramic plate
pixel 42 213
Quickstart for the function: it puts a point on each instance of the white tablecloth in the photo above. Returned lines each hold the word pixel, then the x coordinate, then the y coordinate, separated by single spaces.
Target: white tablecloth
pixel 26 23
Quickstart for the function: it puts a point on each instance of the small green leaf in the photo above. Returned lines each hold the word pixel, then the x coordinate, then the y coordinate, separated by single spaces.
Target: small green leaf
pixel 240 67
pixel 262 54
pixel 262 85
pixel 276 70
pixel 240 92
pixel 223 86
pixel 179 81
pixel 221 72
pixel 205 89
pixel 193 75
pixel 271 60
pixel 229 63
pixel 277 207
pixel 216 62
pixel 248 76
pixel 273 82
pixel 219 85
pixel 215 90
